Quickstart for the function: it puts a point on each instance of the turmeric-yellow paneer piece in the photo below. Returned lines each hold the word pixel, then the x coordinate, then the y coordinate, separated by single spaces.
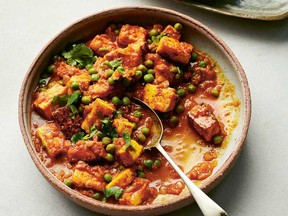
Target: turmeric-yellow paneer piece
pixel 172 32
pixel 130 34
pixel 122 124
pixel 85 176
pixel 174 50
pixel 129 155
pixel 100 109
pixel 136 193
pixel 82 79
pixel 53 139
pixel 160 98
pixel 102 44
pixel 122 179
pixel 43 101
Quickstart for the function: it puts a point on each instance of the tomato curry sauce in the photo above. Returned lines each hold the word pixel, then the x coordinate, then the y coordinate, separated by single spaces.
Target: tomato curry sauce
pixel 91 134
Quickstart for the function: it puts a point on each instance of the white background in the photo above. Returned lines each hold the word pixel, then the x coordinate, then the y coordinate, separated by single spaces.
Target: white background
pixel 256 186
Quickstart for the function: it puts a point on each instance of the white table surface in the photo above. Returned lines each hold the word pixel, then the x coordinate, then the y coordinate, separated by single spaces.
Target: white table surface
pixel 258 183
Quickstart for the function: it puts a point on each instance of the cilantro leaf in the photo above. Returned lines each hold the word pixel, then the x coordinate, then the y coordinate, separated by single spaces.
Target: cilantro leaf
pixel 107 128
pixel 127 139
pixel 60 99
pixel 79 54
pixel 113 191
pixel 115 63
pixel 74 98
pixel 157 38
pixel 93 130
pixel 78 136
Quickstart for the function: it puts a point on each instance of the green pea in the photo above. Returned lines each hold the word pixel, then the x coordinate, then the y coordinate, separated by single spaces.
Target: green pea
pixel 134 126
pixel 75 85
pixel 107 63
pixel 151 71
pixel 50 69
pixel 116 101
pixel 202 64
pixel 107 177
pixel 121 168
pixel 138 114
pixel 110 148
pixel 126 101
pixel 96 196
pixel 86 100
pixel 180 109
pixel 138 74
pixel 174 121
pixel 109 157
pixel 145 131
pixel 116 32
pixel 181 92
pixel 217 139
pixel 99 134
pixel 68 183
pixel 157 163
pixel 92 71
pixel 215 92
pixel 141 174
pixel 174 69
pixel 177 76
pixel 106 140
pixel 149 41
pixel 148 78
pixel 126 82
pixel 148 163
pixel 153 32
pixel 88 66
pixel 111 81
pixel 149 63
pixel 55 57
pixel 194 57
pixel 95 77
pixel 141 138
pixel 178 26
pixel 191 88
pixel 120 68
pixel 142 68
pixel 81 109
pixel 109 72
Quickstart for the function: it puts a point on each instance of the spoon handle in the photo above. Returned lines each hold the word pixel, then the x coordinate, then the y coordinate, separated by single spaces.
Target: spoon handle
pixel 207 205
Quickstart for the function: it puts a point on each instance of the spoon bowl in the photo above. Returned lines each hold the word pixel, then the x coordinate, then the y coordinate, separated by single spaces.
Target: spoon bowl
pixel 207 205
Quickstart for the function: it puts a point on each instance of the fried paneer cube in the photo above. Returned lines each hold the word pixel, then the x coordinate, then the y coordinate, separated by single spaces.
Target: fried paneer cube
pixel 172 32
pixel 64 70
pixel 122 124
pixel 82 79
pixel 203 120
pixel 136 193
pixel 52 139
pixel 122 179
pixel 88 177
pixel 99 89
pixel 86 150
pixel 102 44
pixel 100 109
pixel 129 155
pixel 160 98
pixel 130 34
pixel 43 102
pixel 174 50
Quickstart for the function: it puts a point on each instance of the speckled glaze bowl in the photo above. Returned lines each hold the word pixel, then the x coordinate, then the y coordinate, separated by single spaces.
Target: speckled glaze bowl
pixel 195 33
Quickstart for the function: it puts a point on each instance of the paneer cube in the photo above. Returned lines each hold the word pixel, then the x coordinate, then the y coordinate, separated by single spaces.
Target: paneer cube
pixel 86 150
pixel 172 32
pixel 130 34
pixel 88 177
pixel 122 124
pixel 129 155
pixel 82 79
pixel 203 120
pixel 52 139
pixel 99 89
pixel 136 193
pixel 64 70
pixel 102 44
pixel 122 179
pixel 174 50
pixel 43 102
pixel 100 109
pixel 160 98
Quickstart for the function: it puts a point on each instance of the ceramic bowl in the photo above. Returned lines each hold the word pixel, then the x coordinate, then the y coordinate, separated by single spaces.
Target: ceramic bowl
pixel 196 33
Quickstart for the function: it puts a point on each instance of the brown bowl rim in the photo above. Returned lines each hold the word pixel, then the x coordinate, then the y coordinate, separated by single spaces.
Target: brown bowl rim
pixel 154 209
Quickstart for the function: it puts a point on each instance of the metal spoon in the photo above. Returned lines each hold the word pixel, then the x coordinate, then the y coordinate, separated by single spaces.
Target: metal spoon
pixel 207 205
